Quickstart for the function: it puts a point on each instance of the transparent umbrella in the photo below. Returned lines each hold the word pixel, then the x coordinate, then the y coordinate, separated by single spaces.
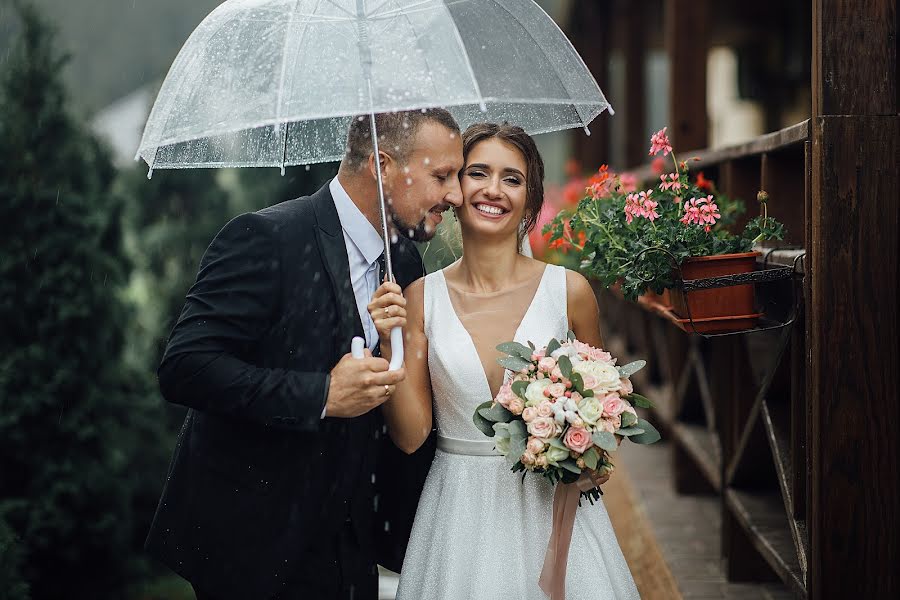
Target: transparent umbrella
pixel 276 82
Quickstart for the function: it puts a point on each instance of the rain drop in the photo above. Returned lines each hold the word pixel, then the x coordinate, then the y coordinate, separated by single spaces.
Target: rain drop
pixel 427 161
pixel 409 181
pixel 406 169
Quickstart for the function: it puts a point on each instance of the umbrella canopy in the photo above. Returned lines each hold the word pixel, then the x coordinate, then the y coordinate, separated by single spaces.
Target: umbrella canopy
pixel 276 82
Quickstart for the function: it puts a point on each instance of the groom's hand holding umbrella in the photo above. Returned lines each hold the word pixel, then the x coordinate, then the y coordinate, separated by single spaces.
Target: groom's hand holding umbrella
pixel 360 384
pixel 388 312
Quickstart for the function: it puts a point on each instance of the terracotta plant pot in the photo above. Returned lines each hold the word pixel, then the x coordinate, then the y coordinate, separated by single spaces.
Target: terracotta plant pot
pixel 719 309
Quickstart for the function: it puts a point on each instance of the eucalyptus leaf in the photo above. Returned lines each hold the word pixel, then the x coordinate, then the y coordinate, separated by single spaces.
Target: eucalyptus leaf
pixel 565 366
pixel 570 335
pixel 629 431
pixel 556 443
pixel 570 465
pixel 515 349
pixel 552 347
pixel 578 383
pixel 531 345
pixel 516 448
pixel 519 387
pixel 591 457
pixel 484 426
pixel 605 440
pixel 640 401
pixel 517 429
pixel 513 363
pixel 629 419
pixel 632 368
pixel 650 435
pixel 496 413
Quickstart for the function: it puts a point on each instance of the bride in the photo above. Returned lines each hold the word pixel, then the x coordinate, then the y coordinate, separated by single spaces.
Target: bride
pixel 480 531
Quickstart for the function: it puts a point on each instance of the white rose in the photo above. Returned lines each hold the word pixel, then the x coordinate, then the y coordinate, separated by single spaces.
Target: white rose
pixel 605 375
pixel 534 393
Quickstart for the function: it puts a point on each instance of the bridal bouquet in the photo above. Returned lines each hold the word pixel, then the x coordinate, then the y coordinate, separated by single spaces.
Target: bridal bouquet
pixel 562 410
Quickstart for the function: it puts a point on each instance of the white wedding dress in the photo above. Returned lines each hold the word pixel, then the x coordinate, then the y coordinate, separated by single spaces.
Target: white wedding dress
pixel 480 532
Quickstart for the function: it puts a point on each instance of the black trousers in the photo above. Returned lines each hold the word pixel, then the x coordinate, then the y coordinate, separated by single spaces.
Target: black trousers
pixel 336 569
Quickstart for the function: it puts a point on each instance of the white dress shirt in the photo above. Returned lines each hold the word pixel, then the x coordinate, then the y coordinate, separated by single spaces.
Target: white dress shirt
pixel 364 247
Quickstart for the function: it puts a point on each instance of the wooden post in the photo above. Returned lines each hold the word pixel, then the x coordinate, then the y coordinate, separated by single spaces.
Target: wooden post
pixel 633 18
pixel 589 26
pixel 852 317
pixel 687 43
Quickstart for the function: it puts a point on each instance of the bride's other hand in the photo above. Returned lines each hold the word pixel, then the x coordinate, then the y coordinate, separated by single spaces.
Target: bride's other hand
pixel 388 310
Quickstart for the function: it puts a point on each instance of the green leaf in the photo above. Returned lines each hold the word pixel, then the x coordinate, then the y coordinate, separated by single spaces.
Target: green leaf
pixel 578 383
pixel 570 335
pixel 557 443
pixel 628 431
pixel 531 345
pixel 570 465
pixel 605 440
pixel 628 419
pixel 639 401
pixel 495 413
pixel 632 368
pixel 484 426
pixel 515 349
pixel 552 347
pixel 516 448
pixel 514 363
pixel 519 387
pixel 517 429
pixel 565 366
pixel 591 457
pixel 650 435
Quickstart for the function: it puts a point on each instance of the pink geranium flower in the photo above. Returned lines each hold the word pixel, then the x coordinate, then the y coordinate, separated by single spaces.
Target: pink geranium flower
pixel 640 205
pixel 670 181
pixel 701 211
pixel 659 142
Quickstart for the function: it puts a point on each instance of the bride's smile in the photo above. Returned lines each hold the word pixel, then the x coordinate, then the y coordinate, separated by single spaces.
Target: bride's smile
pixel 494 188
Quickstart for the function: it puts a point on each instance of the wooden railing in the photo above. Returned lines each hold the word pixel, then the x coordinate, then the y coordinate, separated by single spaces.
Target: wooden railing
pixel 735 407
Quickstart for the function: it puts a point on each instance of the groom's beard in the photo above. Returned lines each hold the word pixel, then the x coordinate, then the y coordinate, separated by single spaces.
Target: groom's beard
pixel 417 232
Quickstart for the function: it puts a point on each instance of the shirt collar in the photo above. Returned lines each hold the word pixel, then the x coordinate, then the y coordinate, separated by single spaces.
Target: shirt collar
pixel 355 224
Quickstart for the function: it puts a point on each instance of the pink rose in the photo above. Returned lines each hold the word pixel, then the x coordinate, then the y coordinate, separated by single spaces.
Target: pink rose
pixel 590 382
pixel 545 409
pixel 538 354
pixel 576 397
pixel 542 427
pixel 613 405
pixel 505 395
pixel 578 439
pixel 529 414
pixel 546 364
pixel 528 458
pixel 535 446
pixel 556 390
pixel 627 388
pixel 557 372
pixel 516 406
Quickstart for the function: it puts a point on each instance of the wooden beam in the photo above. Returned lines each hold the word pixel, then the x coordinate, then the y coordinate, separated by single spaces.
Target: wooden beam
pixel 589 31
pixel 634 19
pixel 686 30
pixel 854 369
pixel 853 243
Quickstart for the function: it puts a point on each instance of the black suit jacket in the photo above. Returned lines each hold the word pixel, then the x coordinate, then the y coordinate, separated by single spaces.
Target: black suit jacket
pixel 257 478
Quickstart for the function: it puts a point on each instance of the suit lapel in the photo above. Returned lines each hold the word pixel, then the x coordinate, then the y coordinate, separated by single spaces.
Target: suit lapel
pixel 333 249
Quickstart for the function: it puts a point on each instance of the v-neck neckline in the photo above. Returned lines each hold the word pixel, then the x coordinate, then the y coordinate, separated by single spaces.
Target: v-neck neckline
pixel 474 348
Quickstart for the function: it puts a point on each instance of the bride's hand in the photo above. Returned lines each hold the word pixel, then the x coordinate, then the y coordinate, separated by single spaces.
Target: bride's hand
pixel 388 310
pixel 597 479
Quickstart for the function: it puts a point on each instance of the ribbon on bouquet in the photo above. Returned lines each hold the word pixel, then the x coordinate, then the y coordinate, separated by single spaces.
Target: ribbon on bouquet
pixel 565 503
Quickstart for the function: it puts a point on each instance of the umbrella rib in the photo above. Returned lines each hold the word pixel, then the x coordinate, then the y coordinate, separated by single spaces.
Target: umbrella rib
pixel 284 59
pixel 462 47
pixel 552 66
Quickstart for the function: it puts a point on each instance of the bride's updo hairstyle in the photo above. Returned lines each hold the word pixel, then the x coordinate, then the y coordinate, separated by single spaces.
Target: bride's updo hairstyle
pixel 534 177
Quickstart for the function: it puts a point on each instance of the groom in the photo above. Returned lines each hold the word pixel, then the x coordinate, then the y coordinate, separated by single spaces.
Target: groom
pixel 271 490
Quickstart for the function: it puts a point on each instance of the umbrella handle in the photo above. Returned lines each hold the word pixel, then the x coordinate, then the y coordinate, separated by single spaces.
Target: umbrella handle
pixel 358 345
